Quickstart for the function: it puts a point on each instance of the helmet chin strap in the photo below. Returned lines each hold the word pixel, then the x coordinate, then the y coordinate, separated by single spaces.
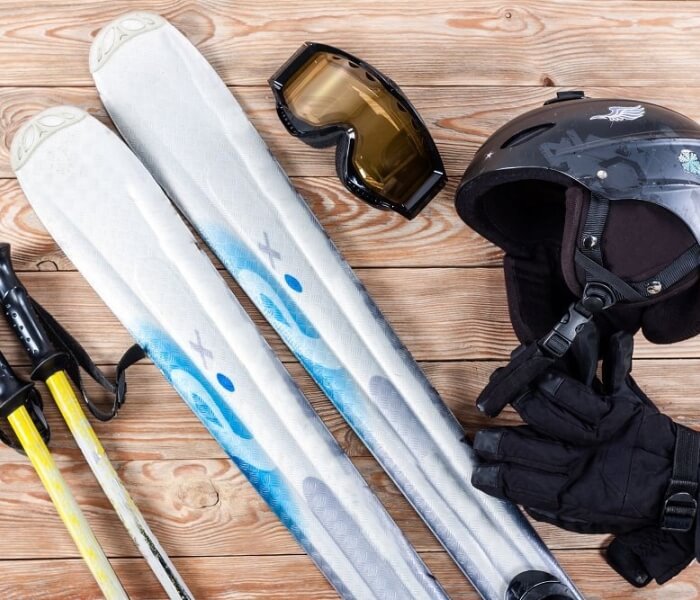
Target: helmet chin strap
pixel 604 289
pixel 598 274
pixel 531 360
pixel 597 296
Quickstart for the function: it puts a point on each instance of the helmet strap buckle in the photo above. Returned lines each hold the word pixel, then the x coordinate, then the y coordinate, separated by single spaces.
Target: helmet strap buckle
pixel 596 298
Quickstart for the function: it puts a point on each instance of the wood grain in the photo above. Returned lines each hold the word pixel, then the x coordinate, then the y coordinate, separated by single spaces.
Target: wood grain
pixel 155 424
pixel 365 236
pixel 460 119
pixel 197 501
pixel 466 320
pixel 294 578
pixel 195 508
pixel 469 68
pixel 536 42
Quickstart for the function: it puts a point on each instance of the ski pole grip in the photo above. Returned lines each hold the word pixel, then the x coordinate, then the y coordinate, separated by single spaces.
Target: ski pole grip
pixel 20 314
pixel 13 391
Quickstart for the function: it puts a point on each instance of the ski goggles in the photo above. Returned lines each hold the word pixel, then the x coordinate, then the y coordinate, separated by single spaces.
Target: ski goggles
pixel 384 155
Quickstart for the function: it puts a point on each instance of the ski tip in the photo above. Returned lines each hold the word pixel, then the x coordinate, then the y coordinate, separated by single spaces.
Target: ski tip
pixel 115 34
pixel 38 129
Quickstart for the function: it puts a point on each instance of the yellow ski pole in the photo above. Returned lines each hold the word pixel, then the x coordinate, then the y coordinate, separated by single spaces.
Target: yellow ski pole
pixel 17 398
pixel 50 366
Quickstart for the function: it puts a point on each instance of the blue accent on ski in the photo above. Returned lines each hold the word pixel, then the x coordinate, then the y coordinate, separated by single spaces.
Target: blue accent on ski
pixel 169 357
pixel 344 391
pixel 303 339
pixel 225 382
pixel 293 282
pixel 218 417
pixel 270 308
pixel 238 259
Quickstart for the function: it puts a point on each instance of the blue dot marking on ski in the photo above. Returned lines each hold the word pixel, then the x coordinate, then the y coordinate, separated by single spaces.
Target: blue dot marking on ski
pixel 293 282
pixel 225 382
pixel 216 411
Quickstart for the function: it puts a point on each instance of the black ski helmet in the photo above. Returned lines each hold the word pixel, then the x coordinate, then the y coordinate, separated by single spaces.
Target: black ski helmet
pixel 589 193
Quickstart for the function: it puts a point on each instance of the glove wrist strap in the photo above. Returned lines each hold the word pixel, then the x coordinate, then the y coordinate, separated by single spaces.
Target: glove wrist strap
pixel 681 501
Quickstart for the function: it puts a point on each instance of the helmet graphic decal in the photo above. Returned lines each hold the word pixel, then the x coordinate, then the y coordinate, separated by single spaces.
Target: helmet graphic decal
pixel 622 113
pixel 689 161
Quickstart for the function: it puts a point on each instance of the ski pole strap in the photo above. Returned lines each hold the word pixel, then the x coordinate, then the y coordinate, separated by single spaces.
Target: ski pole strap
pixel 681 502
pixel 80 359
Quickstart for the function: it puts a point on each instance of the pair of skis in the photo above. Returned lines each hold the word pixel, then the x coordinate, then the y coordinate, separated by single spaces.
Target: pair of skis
pixel 112 219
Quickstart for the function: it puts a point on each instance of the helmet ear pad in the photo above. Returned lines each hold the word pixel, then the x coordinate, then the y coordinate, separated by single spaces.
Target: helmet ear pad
pixel 642 238
pixel 639 240
pixel 538 297
pixel 540 230
pixel 526 220
pixel 537 293
pixel 675 319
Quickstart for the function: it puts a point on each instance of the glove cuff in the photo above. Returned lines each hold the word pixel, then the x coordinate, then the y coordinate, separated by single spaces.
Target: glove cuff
pixel 650 554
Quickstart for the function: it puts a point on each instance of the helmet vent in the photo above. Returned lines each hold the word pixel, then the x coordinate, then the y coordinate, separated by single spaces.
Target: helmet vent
pixel 526 135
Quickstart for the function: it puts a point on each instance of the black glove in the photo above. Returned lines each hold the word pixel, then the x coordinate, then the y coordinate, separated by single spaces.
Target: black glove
pixel 594 457
pixel 651 553
pixel 527 363
pixel 574 334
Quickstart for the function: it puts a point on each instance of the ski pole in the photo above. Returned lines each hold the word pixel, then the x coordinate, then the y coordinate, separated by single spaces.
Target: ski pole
pixel 17 398
pixel 50 366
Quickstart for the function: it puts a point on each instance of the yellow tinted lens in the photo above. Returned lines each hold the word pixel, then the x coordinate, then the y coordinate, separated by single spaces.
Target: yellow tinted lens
pixel 390 153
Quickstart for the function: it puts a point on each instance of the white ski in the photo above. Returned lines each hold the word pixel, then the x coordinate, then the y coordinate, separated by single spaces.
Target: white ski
pixel 116 225
pixel 183 123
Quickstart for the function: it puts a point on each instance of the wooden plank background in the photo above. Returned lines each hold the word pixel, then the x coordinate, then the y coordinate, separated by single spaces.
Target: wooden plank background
pixel 468 66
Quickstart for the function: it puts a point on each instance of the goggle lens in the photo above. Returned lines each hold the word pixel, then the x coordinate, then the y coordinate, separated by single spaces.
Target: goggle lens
pixel 390 151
